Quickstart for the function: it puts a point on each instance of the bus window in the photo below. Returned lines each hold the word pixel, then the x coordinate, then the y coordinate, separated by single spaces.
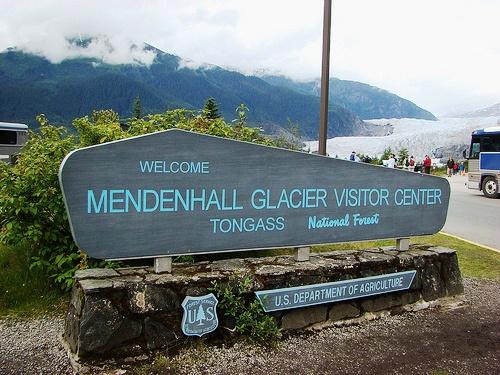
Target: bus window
pixel 8 137
pixel 474 149
pixel 490 143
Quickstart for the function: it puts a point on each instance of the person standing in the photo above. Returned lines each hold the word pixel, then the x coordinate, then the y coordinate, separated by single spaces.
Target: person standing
pixel 353 156
pixel 412 164
pixel 391 163
pixel 462 168
pixel 449 166
pixel 405 164
pixel 427 164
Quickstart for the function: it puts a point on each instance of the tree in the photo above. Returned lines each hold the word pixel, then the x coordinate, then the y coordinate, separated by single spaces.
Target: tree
pixel 403 154
pixel 241 111
pixel 387 154
pixel 137 112
pixel 210 109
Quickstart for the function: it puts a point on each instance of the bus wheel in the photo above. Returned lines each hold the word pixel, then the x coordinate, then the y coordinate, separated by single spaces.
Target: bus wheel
pixel 490 187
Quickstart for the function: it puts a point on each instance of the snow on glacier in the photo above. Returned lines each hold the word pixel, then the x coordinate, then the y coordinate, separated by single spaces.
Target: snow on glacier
pixel 420 137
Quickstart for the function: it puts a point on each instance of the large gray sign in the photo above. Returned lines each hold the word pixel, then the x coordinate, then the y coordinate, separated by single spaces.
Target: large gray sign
pixel 309 295
pixel 177 192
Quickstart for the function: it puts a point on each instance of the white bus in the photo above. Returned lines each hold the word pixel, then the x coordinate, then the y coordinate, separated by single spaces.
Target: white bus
pixel 484 161
pixel 12 139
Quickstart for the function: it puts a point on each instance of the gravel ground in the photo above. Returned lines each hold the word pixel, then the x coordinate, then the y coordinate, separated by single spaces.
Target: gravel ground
pixel 464 340
pixel 32 347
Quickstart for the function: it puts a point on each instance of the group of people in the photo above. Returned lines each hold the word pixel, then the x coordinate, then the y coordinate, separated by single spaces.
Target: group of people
pixel 453 168
pixel 411 164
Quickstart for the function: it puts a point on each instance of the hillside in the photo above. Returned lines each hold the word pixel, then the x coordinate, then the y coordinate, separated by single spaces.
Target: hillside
pixel 368 102
pixel 493 110
pixel 30 85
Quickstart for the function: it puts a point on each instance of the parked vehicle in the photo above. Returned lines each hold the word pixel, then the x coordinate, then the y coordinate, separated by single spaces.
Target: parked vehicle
pixel 12 139
pixel 484 161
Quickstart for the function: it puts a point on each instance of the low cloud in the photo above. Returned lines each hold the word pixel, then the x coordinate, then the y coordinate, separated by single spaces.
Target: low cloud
pixel 108 49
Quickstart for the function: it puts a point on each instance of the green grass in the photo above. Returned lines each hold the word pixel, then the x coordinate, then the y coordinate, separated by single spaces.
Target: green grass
pixel 441 171
pixel 475 261
pixel 26 293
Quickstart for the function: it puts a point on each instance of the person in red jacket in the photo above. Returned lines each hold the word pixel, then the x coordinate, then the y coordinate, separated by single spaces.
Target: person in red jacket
pixel 427 164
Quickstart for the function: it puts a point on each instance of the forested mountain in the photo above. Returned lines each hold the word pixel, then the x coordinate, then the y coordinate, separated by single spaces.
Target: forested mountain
pixel 31 84
pixel 368 102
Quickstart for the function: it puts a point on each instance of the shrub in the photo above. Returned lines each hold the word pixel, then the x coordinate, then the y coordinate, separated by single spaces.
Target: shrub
pixel 248 315
pixel 32 210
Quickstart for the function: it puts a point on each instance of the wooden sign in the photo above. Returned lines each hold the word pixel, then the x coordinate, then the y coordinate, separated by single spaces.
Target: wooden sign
pixel 177 192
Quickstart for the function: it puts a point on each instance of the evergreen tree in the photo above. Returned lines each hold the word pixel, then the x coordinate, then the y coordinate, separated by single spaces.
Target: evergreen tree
pixel 403 154
pixel 137 112
pixel 211 110
pixel 387 154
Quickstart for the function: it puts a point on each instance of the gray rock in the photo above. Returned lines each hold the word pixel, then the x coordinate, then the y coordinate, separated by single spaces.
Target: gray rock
pixel 95 285
pixel 405 298
pixel 441 250
pixel 72 328
pixel 76 300
pixel 432 285
pixel 95 273
pixel 383 302
pixel 100 320
pixel 341 311
pixel 451 275
pixel 375 259
pixel 145 298
pixel 129 329
pixel 391 249
pixel 231 265
pixel 157 335
pixel 272 270
pixel 132 271
pixel 161 299
pixel 407 260
pixel 301 318
pixel 196 291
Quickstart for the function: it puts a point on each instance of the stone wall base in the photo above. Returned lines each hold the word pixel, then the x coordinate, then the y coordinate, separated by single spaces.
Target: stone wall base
pixel 133 311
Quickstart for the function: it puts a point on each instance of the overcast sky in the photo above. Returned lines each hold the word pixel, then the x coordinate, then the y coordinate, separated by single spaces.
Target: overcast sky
pixel 442 54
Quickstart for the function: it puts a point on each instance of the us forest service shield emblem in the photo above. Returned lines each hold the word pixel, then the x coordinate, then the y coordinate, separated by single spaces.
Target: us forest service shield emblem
pixel 200 315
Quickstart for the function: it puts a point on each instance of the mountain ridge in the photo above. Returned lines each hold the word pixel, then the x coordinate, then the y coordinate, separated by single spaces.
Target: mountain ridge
pixel 30 84
pixel 368 102
pixel 492 110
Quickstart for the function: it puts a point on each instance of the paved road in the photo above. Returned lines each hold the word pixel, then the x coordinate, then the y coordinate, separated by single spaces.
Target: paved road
pixel 472 216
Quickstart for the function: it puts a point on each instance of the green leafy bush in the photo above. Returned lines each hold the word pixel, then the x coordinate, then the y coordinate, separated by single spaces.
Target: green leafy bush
pixel 32 211
pixel 249 317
